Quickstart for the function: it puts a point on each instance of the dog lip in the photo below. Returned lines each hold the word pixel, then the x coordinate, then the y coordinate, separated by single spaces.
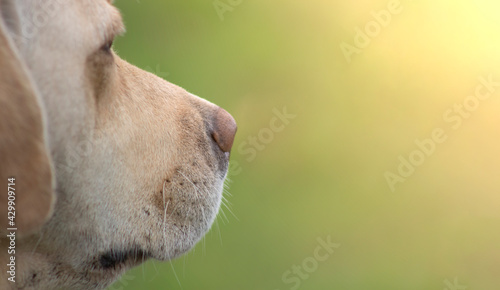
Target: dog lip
pixel 115 258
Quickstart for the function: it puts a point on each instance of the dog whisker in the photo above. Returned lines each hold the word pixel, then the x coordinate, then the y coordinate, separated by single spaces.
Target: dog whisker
pixel 103 144
pixel 37 243
pixel 218 230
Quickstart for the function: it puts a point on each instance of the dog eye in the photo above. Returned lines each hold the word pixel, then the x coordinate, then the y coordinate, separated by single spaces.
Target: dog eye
pixel 107 46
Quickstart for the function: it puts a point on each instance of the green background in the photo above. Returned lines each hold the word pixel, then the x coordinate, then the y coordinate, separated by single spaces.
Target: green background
pixel 323 174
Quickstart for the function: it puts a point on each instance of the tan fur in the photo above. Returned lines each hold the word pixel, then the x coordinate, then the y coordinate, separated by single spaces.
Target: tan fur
pixel 138 162
pixel 22 145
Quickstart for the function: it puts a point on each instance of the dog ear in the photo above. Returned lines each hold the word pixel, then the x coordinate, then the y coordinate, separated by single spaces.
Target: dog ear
pixel 26 179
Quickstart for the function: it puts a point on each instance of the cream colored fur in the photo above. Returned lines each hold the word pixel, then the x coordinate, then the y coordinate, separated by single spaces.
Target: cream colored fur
pixel 113 165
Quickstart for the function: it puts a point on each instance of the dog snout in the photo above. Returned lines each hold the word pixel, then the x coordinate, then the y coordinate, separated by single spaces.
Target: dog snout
pixel 224 129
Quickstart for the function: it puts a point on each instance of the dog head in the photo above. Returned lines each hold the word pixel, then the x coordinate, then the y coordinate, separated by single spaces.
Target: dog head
pixel 116 165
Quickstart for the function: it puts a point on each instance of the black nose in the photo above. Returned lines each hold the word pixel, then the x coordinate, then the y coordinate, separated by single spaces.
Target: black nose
pixel 224 129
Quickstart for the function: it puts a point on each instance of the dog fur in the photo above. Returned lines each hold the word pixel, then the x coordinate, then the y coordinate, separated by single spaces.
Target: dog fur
pixel 112 164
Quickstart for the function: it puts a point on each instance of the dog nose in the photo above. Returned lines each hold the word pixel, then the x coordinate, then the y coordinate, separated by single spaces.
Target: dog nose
pixel 224 129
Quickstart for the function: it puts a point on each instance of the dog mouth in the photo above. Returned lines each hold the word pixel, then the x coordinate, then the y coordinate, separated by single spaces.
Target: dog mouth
pixel 120 259
pixel 182 211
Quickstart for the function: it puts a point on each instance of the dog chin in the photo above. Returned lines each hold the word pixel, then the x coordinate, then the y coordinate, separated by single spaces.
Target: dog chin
pixel 183 224
pixel 184 237
pixel 188 226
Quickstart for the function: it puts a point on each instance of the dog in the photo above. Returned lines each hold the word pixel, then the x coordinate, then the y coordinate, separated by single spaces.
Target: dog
pixel 102 165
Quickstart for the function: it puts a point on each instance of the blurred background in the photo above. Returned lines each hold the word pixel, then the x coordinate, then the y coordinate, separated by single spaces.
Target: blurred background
pixel 368 149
